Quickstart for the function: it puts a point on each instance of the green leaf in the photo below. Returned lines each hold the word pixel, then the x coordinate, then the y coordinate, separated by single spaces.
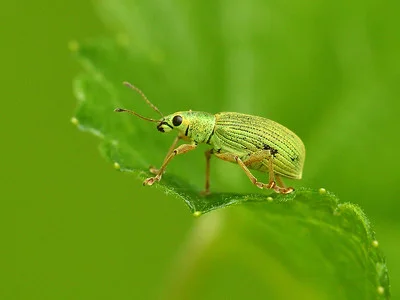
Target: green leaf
pixel 326 245
pixel 322 249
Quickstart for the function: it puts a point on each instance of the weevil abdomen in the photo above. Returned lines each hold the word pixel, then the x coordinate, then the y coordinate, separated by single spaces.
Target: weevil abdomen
pixel 246 134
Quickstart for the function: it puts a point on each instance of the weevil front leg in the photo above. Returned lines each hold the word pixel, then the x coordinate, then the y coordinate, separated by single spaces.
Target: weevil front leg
pixel 155 171
pixel 180 150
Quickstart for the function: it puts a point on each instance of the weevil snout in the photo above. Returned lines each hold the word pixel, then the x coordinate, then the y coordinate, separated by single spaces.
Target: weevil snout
pixel 164 126
pixel 160 128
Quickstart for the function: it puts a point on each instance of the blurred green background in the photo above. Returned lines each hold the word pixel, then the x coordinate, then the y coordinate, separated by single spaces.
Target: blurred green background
pixel 329 70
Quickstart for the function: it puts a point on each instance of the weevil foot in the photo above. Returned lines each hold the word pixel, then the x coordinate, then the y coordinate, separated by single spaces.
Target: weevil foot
pixel 260 185
pixel 283 190
pixel 153 170
pixel 287 190
pixel 205 193
pixel 271 185
pixel 151 180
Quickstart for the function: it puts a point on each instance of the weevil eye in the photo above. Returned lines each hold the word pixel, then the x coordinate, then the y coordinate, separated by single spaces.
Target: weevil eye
pixel 177 120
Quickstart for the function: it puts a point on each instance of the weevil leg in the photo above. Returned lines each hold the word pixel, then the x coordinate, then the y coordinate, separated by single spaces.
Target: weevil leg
pixel 180 150
pixel 281 187
pixel 155 171
pixel 258 157
pixel 271 174
pixel 234 158
pixel 252 178
pixel 273 178
pixel 207 186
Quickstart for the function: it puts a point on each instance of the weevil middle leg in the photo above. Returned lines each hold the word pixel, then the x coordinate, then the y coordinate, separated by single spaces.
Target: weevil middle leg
pixel 207 186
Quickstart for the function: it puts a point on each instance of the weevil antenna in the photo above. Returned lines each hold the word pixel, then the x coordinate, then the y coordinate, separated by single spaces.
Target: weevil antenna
pixel 136 114
pixel 143 96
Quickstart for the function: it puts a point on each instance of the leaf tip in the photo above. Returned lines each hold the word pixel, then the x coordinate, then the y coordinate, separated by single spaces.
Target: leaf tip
pixel 74 121
pixel 73 46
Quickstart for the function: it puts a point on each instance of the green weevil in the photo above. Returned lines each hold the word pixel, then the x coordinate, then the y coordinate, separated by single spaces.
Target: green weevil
pixel 254 143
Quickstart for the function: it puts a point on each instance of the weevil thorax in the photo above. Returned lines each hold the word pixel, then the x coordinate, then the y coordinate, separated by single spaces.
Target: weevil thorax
pixel 196 126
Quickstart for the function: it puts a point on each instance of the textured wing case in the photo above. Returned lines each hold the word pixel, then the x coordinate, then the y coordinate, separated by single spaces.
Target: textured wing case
pixel 245 134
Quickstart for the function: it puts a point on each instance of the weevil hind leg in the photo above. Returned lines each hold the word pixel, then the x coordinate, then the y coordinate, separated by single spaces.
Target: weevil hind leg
pixel 258 157
pixel 252 178
pixel 273 178
pixel 281 188
pixel 251 159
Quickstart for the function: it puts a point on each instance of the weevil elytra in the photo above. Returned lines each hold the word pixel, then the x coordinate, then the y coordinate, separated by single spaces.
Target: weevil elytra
pixel 254 143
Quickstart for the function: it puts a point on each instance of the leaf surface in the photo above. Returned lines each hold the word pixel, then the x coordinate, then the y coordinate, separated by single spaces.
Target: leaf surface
pixel 324 244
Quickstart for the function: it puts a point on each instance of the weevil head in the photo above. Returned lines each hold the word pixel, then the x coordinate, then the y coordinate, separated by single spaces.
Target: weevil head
pixel 196 126
pixel 179 120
